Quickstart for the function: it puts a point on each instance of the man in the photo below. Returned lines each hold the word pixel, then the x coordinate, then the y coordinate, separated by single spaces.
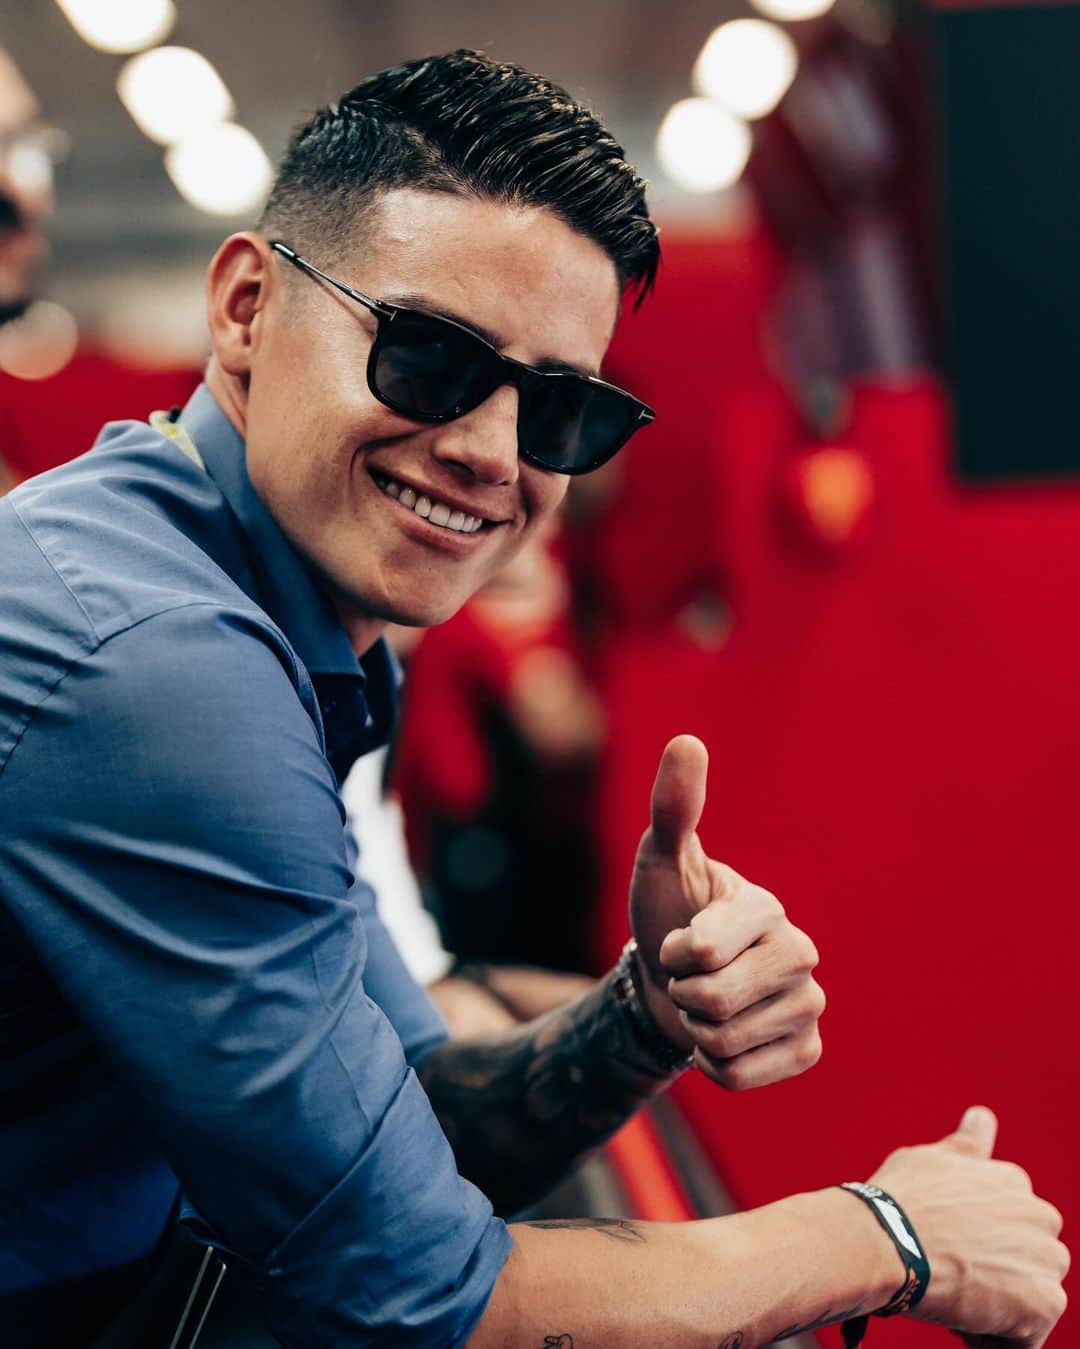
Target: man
pixel 403 373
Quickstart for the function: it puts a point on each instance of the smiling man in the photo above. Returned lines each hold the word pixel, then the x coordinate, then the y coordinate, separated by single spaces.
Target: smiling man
pixel 195 995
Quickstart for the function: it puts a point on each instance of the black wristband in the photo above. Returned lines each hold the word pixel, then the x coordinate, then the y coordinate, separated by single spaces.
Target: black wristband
pixel 908 1246
pixel 630 998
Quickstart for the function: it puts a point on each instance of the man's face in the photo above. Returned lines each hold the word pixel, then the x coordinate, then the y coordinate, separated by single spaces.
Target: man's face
pixel 25 193
pixel 322 449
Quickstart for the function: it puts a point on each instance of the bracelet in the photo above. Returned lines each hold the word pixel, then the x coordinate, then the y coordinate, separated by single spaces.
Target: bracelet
pixel 628 996
pixel 916 1266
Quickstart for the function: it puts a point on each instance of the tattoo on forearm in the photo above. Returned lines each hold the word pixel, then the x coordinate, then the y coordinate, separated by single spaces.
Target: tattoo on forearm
pixel 827 1319
pixel 520 1108
pixel 619 1229
pixel 558 1342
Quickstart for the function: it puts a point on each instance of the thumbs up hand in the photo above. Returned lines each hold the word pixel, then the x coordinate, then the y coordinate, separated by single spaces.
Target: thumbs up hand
pixel 724 973
pixel 996 1260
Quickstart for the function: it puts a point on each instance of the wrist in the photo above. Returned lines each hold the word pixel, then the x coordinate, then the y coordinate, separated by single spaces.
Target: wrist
pixel 667 1044
pixel 853 1243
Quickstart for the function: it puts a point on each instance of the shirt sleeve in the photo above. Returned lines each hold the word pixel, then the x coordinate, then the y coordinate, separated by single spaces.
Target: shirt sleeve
pixel 184 879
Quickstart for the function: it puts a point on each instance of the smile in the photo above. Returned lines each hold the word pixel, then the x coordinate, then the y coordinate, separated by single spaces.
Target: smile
pixel 431 509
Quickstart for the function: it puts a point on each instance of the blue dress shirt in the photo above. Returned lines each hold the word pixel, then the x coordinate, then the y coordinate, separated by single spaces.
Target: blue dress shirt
pixel 193 991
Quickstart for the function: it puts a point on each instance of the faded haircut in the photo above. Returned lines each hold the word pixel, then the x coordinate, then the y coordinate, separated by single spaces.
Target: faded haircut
pixel 461 123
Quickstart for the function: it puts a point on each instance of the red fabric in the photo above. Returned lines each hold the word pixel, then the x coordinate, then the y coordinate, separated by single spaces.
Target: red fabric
pixel 46 422
pixel 442 765
pixel 895 737
pixel 697 339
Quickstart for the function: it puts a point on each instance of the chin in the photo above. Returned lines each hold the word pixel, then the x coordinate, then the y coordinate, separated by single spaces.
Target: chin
pixel 426 617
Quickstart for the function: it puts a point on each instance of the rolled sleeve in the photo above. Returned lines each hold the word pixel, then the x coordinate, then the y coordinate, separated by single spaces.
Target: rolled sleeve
pixel 183 878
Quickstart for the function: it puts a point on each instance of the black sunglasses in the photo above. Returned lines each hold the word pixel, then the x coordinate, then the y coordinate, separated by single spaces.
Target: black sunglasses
pixel 431 369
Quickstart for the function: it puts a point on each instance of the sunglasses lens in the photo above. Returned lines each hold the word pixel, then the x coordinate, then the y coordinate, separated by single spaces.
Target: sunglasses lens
pixel 428 369
pixel 569 425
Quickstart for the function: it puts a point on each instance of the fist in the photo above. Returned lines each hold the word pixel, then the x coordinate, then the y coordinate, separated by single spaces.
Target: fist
pixel 726 974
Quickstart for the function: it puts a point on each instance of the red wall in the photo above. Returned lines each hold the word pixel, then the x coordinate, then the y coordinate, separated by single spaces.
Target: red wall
pixel 895 740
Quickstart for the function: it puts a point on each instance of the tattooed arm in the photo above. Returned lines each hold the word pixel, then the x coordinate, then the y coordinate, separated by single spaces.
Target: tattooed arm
pixel 521 1107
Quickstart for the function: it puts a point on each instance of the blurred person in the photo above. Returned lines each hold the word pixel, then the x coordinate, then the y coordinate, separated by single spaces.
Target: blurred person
pixel 496 768
pixel 473 998
pixel 25 202
pixel 25 191
pixel 190 625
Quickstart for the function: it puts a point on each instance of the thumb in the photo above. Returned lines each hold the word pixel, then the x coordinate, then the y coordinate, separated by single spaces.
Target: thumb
pixel 977 1133
pixel 678 794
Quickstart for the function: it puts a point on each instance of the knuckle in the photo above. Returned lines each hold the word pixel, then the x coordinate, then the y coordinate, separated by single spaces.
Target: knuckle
pixel 702 948
pixel 809 1052
pixel 1016 1174
pixel 723 1002
pixel 1055 1303
pixel 737 1076
pixel 1054 1219
pixel 811 955
pixel 720 1071
pixel 722 1042
pixel 816 1001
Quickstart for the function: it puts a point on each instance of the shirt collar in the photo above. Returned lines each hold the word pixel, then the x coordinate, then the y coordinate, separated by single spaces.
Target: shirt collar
pixel 286 589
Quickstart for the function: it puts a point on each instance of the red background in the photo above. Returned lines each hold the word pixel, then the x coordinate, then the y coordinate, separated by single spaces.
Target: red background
pixel 895 742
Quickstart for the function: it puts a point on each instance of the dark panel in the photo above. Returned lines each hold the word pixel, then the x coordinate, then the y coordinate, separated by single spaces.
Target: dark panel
pixel 1010 100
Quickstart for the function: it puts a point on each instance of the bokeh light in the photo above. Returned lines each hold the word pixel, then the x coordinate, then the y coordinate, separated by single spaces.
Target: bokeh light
pixel 791 11
pixel 748 65
pixel 40 343
pixel 222 170
pixel 173 92
pixel 120 25
pixel 701 146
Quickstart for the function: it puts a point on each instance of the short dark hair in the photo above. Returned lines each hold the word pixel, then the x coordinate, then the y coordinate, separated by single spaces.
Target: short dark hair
pixel 462 123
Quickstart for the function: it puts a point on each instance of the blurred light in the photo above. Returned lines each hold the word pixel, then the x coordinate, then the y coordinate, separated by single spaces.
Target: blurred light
pixel 789 11
pixel 748 65
pixel 40 343
pixel 222 170
pixel 172 92
pixel 120 25
pixel 701 146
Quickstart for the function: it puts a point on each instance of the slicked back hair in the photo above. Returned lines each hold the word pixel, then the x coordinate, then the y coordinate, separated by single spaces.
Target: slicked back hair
pixel 463 124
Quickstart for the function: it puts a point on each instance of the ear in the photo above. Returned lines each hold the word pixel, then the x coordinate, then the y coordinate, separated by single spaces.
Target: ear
pixel 239 286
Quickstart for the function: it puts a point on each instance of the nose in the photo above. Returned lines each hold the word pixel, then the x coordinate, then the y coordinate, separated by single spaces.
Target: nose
pixel 484 443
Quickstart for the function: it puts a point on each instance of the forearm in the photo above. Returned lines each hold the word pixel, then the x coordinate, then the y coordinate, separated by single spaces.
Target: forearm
pixel 527 991
pixel 521 1107
pixel 739 1282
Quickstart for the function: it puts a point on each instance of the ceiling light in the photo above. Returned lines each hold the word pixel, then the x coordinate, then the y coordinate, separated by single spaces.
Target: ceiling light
pixel 222 170
pixel 120 25
pixel 172 92
pixel 789 11
pixel 40 343
pixel 702 146
pixel 748 65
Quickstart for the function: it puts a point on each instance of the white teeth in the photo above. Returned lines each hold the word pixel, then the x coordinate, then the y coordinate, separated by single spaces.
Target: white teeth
pixel 436 512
